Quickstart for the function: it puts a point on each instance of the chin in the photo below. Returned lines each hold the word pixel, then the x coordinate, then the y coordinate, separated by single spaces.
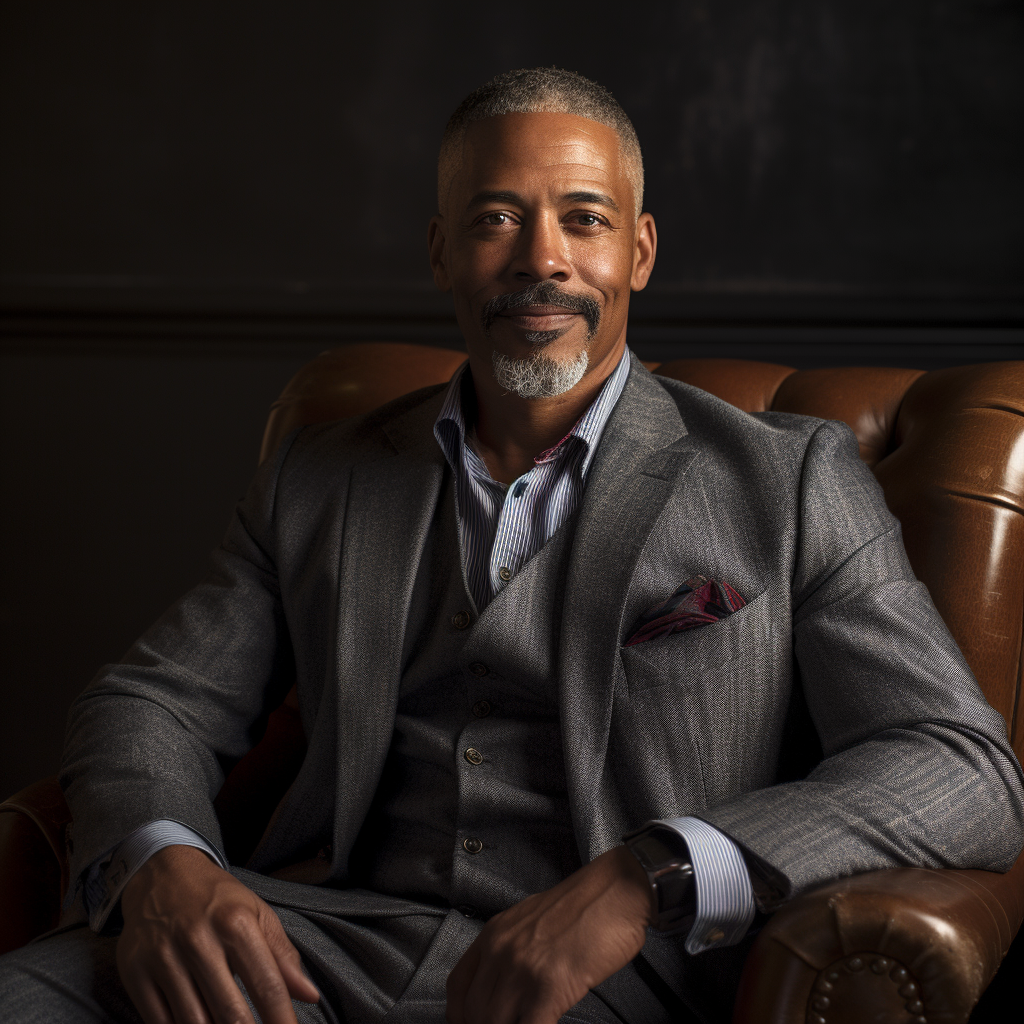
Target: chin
pixel 539 375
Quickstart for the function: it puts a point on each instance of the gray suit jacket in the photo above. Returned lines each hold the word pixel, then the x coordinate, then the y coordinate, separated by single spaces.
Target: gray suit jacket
pixel 838 641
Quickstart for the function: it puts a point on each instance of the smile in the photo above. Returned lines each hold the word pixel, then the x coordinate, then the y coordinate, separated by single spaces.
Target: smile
pixel 539 317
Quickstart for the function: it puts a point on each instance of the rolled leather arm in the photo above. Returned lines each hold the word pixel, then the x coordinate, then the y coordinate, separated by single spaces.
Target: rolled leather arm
pixel 33 862
pixel 908 944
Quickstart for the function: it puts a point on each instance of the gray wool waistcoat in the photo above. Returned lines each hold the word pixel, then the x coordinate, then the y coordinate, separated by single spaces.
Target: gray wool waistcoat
pixel 472 808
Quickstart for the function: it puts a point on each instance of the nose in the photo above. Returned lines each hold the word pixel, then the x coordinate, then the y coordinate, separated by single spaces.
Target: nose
pixel 541 251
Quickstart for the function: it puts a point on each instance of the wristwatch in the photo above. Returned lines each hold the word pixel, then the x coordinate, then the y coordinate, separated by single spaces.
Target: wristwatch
pixel 664 856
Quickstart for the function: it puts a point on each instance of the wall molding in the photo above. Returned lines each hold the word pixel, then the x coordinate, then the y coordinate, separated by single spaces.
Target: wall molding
pixel 802 328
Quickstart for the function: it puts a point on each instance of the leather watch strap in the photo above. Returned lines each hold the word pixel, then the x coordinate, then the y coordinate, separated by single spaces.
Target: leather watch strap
pixel 664 856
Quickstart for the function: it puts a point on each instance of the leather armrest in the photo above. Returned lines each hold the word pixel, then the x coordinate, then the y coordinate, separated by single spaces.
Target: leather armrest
pixel 33 862
pixel 909 944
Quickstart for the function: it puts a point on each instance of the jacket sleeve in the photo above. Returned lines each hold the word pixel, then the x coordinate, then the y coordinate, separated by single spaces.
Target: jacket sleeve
pixel 917 769
pixel 150 737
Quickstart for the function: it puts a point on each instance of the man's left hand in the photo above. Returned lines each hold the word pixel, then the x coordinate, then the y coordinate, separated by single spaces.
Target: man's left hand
pixel 538 959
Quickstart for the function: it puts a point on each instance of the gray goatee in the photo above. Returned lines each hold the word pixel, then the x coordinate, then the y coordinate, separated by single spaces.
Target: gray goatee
pixel 538 375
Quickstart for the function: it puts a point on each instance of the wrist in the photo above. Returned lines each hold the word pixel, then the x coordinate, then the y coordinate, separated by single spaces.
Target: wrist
pixel 168 861
pixel 664 858
pixel 633 884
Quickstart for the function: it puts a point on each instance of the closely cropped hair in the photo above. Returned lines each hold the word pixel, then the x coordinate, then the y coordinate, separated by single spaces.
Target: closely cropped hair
pixel 539 91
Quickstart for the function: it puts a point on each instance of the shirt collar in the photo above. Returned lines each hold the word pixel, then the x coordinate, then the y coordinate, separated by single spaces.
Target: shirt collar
pixel 450 425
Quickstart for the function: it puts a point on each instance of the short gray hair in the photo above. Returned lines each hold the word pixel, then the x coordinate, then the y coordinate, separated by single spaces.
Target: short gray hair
pixel 540 91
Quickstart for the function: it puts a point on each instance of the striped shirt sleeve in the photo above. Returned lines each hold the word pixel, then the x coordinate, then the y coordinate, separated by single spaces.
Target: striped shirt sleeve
pixel 107 876
pixel 725 898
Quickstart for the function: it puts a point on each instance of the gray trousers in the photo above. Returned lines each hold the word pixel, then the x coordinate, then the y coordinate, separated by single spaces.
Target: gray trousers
pixel 389 970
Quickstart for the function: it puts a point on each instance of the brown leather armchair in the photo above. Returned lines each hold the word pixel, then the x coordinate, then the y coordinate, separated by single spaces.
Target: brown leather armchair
pixel 905 945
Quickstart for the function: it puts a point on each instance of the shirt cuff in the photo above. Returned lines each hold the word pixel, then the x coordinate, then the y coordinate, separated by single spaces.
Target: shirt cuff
pixel 725 898
pixel 107 876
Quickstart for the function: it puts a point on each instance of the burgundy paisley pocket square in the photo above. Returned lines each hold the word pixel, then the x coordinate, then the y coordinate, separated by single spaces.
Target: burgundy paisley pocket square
pixel 697 602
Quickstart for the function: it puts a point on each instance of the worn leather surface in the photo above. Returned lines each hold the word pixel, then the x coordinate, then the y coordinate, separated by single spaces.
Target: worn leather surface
pixel 884 946
pixel 948 448
pixel 354 379
pixel 33 862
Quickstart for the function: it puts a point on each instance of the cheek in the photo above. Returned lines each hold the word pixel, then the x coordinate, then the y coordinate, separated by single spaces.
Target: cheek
pixel 608 268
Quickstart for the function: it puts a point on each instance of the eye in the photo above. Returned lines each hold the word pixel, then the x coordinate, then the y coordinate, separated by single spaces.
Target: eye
pixel 495 219
pixel 586 219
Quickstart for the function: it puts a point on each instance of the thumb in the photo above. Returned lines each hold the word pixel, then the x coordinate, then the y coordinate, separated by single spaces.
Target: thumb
pixel 288 960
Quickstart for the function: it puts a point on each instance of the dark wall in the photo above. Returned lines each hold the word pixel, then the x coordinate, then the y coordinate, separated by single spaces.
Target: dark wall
pixel 194 199
pixel 227 156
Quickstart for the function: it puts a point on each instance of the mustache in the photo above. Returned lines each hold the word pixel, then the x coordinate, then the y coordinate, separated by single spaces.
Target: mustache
pixel 542 293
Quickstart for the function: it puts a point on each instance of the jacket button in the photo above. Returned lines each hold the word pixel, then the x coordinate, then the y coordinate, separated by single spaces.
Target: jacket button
pixel 482 708
pixel 505 573
pixel 472 845
pixel 473 756
pixel 466 910
pixel 478 668
pixel 325 852
pixel 460 620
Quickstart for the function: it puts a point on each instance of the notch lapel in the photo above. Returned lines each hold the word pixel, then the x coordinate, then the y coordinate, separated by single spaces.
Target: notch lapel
pixel 391 504
pixel 639 465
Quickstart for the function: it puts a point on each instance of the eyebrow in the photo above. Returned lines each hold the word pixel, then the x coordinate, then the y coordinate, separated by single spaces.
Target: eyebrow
pixel 508 196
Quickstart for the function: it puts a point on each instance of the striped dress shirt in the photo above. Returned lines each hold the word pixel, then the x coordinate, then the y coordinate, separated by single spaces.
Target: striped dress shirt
pixel 501 528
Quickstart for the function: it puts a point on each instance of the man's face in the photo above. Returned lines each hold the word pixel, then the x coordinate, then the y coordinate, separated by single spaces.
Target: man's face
pixel 539 242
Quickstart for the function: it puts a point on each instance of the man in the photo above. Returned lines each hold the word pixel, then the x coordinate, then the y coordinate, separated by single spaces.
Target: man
pixel 554 603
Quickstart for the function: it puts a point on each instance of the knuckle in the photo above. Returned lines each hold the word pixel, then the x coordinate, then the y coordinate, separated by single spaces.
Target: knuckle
pixel 269 989
pixel 235 920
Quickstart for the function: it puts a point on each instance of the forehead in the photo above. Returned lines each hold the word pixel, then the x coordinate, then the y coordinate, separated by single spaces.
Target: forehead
pixel 561 152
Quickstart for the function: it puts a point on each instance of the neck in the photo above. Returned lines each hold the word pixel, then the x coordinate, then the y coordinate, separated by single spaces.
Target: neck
pixel 512 431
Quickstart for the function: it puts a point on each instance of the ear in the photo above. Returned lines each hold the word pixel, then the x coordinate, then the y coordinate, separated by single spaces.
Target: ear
pixel 645 248
pixel 437 243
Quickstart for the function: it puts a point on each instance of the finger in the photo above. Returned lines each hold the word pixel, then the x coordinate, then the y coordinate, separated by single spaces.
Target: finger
pixel 144 979
pixel 458 983
pixel 216 983
pixel 544 1007
pixel 182 994
pixel 148 1000
pixel 250 957
pixel 479 1004
pixel 299 985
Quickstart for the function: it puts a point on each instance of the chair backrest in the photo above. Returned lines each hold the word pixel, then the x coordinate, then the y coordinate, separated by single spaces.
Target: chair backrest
pixel 947 447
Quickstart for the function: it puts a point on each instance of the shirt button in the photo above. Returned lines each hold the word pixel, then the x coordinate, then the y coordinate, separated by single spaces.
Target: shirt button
pixel 482 708
pixel 478 668
pixel 460 620
pixel 716 936
pixel 472 845
pixel 473 756
pixel 505 573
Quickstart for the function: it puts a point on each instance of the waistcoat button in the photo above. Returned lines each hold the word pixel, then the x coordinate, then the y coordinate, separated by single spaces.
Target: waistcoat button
pixel 472 845
pixel 460 620
pixel 505 574
pixel 482 708
pixel 478 668
pixel 473 756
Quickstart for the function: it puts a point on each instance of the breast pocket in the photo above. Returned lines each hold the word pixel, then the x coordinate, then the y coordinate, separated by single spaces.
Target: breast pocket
pixel 701 651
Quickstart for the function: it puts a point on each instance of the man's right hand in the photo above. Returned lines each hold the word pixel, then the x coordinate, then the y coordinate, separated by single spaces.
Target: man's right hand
pixel 189 926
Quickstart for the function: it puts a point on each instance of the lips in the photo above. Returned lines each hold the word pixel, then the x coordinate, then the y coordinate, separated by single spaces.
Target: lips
pixel 539 317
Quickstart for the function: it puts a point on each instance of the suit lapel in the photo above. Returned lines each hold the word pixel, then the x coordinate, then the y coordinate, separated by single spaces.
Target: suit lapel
pixel 642 458
pixel 391 503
